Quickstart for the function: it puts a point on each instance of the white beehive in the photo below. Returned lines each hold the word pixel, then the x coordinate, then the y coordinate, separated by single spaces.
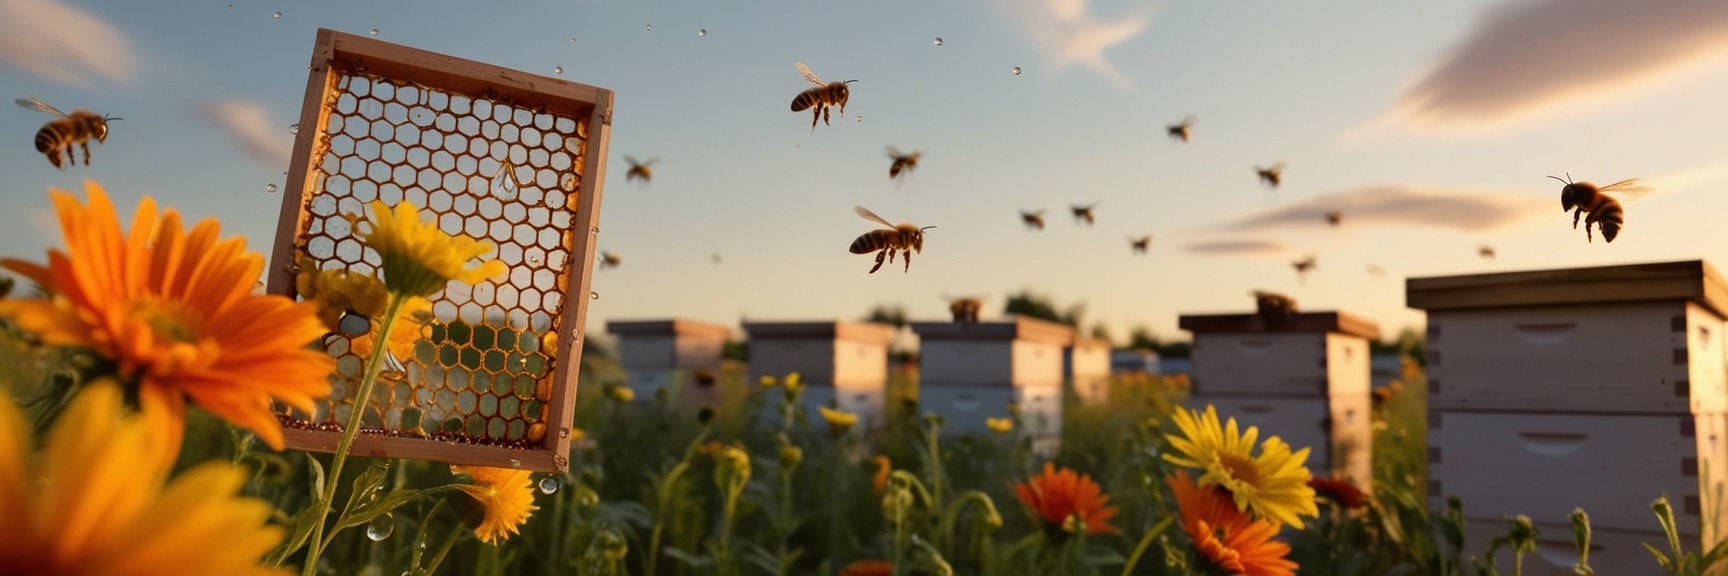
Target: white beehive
pixel 842 364
pixel 970 372
pixel 1305 380
pixel 1086 364
pixel 1599 388
pixel 671 354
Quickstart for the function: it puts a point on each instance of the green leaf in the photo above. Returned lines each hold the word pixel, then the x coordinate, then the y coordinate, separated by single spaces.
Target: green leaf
pixel 693 560
pixel 317 477
pixel 1661 559
pixel 371 509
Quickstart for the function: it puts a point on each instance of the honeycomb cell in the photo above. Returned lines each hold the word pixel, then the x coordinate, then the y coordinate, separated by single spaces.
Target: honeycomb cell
pixel 394 153
pixel 496 428
pixel 382 130
pixel 390 194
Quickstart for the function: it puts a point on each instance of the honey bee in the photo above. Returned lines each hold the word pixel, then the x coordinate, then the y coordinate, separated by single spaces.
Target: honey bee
pixel 824 95
pixel 640 170
pixel 1033 219
pixel 1272 308
pixel 1083 213
pixel 1487 252
pixel 1334 217
pixel 965 309
pixel 1182 131
pixel 1376 270
pixel 902 162
pixel 1303 266
pixel 905 237
pixel 609 260
pixel 1272 175
pixel 1604 210
pixel 1140 244
pixel 58 136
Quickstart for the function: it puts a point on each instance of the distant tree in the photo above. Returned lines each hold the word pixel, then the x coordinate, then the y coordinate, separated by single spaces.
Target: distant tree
pixel 1031 305
pixel 1142 339
pixel 1102 332
pixel 736 350
pixel 1408 343
pixel 891 314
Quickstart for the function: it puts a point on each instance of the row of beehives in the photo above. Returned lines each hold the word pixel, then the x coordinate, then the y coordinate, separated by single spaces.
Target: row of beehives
pixel 1599 388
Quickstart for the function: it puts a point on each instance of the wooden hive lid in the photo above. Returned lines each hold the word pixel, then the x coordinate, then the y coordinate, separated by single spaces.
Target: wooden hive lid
pixel 1018 328
pixel 666 328
pixel 1309 322
pixel 1693 280
pixel 870 332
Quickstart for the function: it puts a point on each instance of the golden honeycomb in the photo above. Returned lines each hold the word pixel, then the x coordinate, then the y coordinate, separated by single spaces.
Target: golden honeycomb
pixel 478 165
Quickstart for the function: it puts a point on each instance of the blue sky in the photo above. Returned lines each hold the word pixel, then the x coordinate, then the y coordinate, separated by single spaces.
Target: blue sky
pixel 1432 126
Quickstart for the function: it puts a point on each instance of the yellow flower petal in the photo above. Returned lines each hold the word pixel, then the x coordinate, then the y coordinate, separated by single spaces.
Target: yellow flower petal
pixel 1273 484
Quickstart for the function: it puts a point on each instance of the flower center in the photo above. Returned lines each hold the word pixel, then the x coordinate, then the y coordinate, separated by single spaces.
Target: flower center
pixel 168 320
pixel 1240 468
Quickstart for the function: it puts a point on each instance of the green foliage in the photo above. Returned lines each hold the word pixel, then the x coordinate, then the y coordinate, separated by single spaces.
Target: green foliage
pixel 1032 305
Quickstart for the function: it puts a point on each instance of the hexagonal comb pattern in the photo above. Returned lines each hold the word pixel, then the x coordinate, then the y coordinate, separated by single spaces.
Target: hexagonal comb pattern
pixel 482 368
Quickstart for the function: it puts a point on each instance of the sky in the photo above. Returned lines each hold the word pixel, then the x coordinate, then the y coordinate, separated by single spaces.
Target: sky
pixel 1433 127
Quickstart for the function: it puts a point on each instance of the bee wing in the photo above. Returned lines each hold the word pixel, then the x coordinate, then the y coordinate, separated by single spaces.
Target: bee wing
pixel 651 161
pixel 38 105
pixel 632 160
pixel 894 153
pixel 866 214
pixel 1629 189
pixel 811 76
pixel 1276 166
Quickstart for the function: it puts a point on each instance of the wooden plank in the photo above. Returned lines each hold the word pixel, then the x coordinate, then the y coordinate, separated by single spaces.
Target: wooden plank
pixel 835 330
pixel 381 446
pixel 561 409
pixel 1020 328
pixel 451 74
pixel 1340 322
pixel 297 190
pixel 1685 280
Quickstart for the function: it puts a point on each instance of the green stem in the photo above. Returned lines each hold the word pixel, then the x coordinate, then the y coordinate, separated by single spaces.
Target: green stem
pixel 361 398
pixel 1145 543
pixel 444 549
pixel 557 531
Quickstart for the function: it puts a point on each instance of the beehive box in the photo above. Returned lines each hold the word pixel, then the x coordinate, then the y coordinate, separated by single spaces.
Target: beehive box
pixel 671 354
pixel 1305 380
pixel 842 364
pixel 971 372
pixel 1086 365
pixel 1610 377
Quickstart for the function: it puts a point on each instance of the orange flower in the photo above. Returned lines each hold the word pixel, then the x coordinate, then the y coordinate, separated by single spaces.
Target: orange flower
pixel 883 468
pixel 1064 496
pixel 868 568
pixel 174 310
pixel 502 499
pixel 1227 537
pixel 1338 490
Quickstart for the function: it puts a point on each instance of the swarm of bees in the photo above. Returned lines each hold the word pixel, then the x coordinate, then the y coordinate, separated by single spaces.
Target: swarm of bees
pixel 1083 213
pixel 609 260
pixel 1182 131
pixel 903 163
pixel 640 170
pixel 905 237
pixel 820 98
pixel 1139 245
pixel 1033 220
pixel 1302 267
pixel 965 309
pixel 1605 211
pixel 58 136
pixel 1334 217
pixel 1271 175
pixel 1274 309
pixel 1486 252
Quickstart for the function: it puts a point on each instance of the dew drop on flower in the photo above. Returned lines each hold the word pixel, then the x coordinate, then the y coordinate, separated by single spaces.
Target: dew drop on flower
pixel 294 129
pixel 381 527
pixel 278 15
pixel 354 324
pixel 702 32
pixel 938 40
pixel 1016 70
pixel 271 188
pixel 557 69
pixel 548 485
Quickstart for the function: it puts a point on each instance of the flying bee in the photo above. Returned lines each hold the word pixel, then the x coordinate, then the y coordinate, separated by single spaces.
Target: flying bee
pixel 1140 244
pixel 1033 219
pixel 820 98
pixel 902 162
pixel 1182 131
pixel 1334 217
pixel 965 309
pixel 1487 252
pixel 1303 266
pixel 640 170
pixel 1272 175
pixel 1604 210
pixel 905 237
pixel 609 260
pixel 1376 270
pixel 58 136
pixel 1273 308
pixel 1083 212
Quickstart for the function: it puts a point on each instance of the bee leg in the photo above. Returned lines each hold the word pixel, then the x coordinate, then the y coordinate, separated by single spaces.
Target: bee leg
pixel 1575 215
pixel 86 146
pixel 908 254
pixel 879 256
pixel 825 116
pixel 815 114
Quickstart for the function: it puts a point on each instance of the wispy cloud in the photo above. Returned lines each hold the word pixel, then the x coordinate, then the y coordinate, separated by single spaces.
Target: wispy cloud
pixel 248 123
pixel 1400 205
pixel 1524 57
pixel 1237 247
pixel 62 43
pixel 1070 35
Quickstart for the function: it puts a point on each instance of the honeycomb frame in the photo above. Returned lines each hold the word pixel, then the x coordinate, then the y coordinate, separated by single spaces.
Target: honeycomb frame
pixel 498 154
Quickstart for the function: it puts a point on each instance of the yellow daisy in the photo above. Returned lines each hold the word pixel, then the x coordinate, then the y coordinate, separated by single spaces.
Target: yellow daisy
pixel 999 425
pixel 418 258
pixel 1273 484
pixel 345 298
pixel 499 501
pixel 174 310
pixel 99 501
pixel 839 421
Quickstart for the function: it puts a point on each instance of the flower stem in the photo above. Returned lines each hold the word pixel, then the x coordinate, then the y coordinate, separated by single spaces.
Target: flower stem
pixel 362 396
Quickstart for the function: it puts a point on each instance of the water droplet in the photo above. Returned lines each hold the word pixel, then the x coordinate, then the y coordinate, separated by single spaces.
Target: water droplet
pixel 938 40
pixel 572 39
pixel 292 268
pixel 354 324
pixel 381 527
pixel 278 15
pixel 648 27
pixel 374 31
pixel 1016 70
pixel 271 188
pixel 593 295
pixel 702 32
pixel 557 69
pixel 514 462
pixel 294 129
pixel 548 485
pixel 860 117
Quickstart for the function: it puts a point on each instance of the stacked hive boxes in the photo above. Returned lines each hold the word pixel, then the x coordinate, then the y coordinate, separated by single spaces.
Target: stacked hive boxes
pixel 1599 388
pixel 970 372
pixel 680 356
pixel 1086 363
pixel 1303 379
pixel 843 365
